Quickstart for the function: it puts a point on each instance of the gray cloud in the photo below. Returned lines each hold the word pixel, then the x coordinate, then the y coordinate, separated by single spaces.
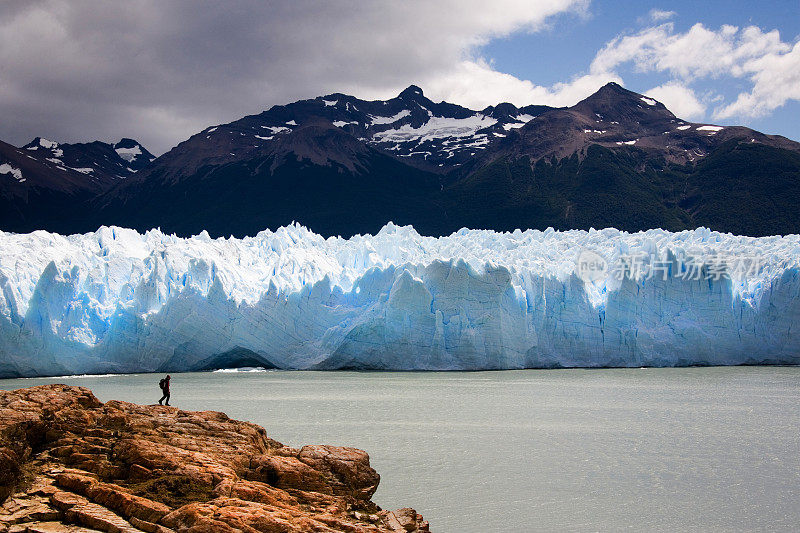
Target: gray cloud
pixel 162 70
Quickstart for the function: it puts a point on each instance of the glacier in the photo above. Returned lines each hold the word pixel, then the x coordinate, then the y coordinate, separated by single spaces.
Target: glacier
pixel 117 301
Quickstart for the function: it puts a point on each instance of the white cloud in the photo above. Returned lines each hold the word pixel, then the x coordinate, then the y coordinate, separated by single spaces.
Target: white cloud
pixel 475 84
pixel 679 99
pixel 776 80
pixel 699 52
pixel 659 15
pixel 702 53
pixel 160 71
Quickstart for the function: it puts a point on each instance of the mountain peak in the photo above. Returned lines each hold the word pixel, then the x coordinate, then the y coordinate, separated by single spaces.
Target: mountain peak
pixel 614 86
pixel 613 102
pixel 501 110
pixel 40 142
pixel 412 92
pixel 125 142
pixel 613 90
pixel 133 153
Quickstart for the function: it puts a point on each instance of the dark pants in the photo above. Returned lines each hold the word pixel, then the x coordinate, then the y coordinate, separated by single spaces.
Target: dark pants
pixel 165 397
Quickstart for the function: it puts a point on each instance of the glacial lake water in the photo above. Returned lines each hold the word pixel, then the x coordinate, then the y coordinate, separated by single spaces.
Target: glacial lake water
pixel 671 449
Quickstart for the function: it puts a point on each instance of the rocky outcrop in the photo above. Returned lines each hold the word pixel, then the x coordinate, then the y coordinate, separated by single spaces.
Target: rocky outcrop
pixel 71 463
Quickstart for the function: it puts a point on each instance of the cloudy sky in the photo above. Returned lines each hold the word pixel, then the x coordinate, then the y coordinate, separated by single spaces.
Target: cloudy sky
pixel 159 71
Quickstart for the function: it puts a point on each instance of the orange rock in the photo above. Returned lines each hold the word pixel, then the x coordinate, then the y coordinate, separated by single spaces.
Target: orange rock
pixel 119 466
pixel 350 466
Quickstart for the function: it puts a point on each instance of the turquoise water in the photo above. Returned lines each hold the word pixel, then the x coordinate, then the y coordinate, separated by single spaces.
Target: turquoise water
pixel 701 449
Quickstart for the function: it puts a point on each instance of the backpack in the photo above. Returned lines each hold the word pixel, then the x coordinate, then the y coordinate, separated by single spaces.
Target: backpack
pixel 162 383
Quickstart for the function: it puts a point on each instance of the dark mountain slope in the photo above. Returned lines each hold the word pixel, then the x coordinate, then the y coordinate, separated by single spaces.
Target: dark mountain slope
pixel 39 194
pixel 46 185
pixel 102 162
pixel 603 187
pixel 317 175
pixel 746 188
pixel 621 159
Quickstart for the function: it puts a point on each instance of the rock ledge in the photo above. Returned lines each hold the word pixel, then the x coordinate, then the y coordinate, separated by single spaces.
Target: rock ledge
pixel 69 463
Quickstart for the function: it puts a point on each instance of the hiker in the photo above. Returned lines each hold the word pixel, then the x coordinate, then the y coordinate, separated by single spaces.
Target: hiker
pixel 164 384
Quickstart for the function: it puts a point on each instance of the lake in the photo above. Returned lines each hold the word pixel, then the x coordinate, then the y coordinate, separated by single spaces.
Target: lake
pixel 659 449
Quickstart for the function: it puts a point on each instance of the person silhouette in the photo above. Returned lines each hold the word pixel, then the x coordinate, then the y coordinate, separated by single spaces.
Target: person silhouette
pixel 164 384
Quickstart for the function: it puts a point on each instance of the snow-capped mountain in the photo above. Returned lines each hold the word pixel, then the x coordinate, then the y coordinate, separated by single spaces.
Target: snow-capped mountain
pixel 342 165
pixel 410 128
pixel 98 160
pixel 615 118
pixel 134 154
pixel 440 137
pixel 48 184
pixel 428 135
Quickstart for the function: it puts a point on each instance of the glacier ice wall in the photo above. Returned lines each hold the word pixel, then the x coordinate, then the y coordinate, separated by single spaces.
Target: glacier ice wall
pixel 119 301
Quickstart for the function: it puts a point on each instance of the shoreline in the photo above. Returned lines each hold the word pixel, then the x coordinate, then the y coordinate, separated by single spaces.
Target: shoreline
pixel 261 370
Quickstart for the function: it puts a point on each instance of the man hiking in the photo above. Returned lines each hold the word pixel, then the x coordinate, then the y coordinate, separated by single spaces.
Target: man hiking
pixel 164 384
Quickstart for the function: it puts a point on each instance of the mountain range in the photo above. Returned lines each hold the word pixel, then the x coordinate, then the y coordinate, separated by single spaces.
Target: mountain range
pixel 342 166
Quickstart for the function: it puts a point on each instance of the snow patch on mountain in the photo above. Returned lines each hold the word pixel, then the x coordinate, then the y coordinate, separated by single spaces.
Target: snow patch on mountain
pixel 129 154
pixel 277 129
pixel 44 143
pixel 47 145
pixel 436 128
pixel 390 120
pixel 15 173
